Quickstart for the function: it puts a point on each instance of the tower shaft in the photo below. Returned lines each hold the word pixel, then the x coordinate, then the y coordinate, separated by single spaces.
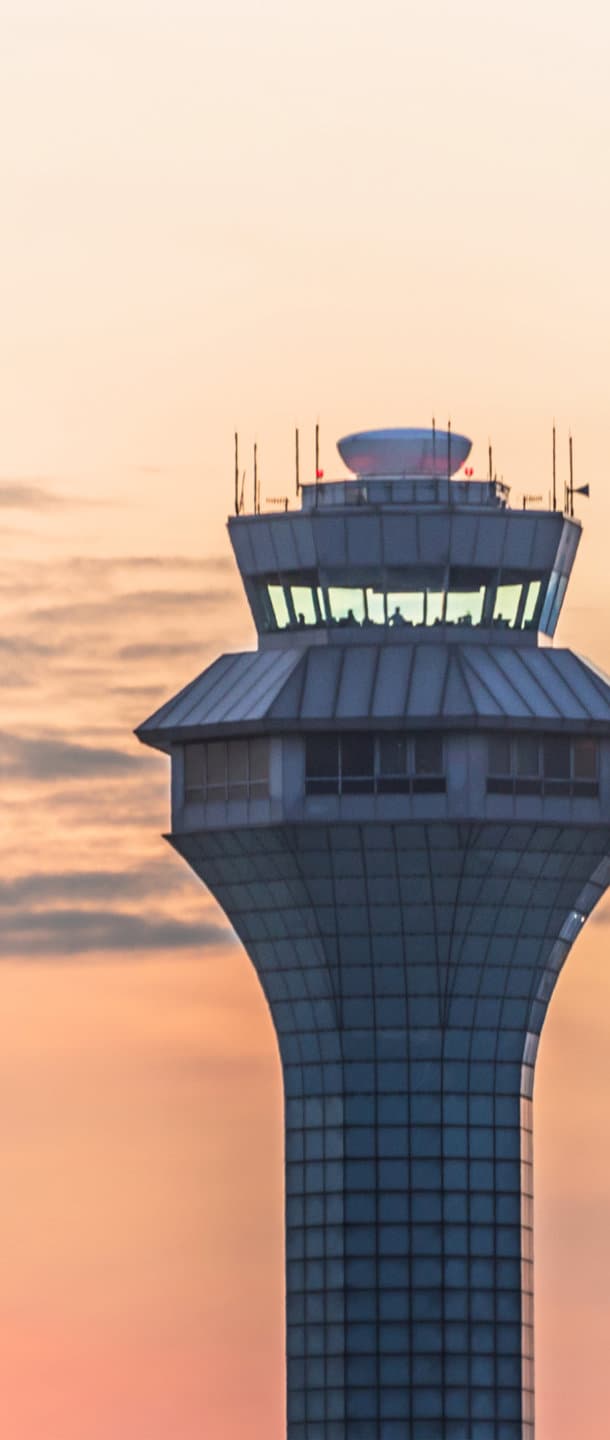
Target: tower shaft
pixel 408 970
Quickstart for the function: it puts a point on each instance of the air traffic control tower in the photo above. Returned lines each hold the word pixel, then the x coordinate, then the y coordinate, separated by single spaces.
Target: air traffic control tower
pixel 401 800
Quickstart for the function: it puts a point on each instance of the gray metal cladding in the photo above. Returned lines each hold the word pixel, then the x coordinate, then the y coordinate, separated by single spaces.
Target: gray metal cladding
pixel 358 684
pixel 283 544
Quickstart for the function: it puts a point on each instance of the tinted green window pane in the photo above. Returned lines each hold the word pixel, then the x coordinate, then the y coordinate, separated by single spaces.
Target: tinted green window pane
pixel 405 608
pixel 375 607
pixel 279 606
pixel 507 604
pixel 584 759
pixel 556 758
pixel 499 755
pixel 531 603
pixel 303 604
pixel 465 606
pixel 435 600
pixel 527 749
pixel 346 606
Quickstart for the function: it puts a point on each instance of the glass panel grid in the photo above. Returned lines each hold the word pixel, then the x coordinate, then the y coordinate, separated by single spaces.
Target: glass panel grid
pixel 408 1134
pixel 226 770
pixel 543 765
pixel 362 763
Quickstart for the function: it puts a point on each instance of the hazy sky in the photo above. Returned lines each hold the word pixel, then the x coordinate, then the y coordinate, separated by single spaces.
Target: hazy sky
pixel 249 215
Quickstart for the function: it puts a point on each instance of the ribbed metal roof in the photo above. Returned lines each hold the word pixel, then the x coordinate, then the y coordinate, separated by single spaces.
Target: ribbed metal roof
pixel 421 684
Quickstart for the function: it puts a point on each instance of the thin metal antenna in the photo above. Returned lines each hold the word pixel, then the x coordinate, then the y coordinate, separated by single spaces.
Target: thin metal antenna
pixel 236 474
pixel 317 451
pixel 242 493
pixel 256 500
pixel 554 467
pixel 433 446
pixel 571 478
pixel 491 464
pixel 296 460
pixel 448 449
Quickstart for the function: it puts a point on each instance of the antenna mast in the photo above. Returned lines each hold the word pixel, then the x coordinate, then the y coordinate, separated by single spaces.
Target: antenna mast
pixel 571 490
pixel 554 467
pixel 317 452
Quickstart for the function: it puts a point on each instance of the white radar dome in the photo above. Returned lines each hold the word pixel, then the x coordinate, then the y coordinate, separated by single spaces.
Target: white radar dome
pixel 404 452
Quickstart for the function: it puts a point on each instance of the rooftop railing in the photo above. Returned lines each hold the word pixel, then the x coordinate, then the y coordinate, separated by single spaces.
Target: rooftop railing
pixel 403 490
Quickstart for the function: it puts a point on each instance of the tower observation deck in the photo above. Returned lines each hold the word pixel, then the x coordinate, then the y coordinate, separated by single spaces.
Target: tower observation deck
pixel 401 800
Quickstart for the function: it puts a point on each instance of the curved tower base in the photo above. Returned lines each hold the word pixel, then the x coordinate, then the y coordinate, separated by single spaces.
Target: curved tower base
pixel 408 969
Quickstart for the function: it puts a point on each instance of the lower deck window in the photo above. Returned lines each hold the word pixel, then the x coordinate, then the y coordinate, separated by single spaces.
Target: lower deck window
pixel 543 765
pixel 361 763
pixel 226 770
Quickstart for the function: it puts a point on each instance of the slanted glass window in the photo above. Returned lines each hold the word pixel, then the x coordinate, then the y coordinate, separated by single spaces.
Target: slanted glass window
pixel 506 608
pixel 405 607
pixel 531 604
pixel 411 596
pixel 357 763
pixel 557 604
pixel 548 601
pixel 375 606
pixel 303 604
pixel 346 605
pixel 435 596
pixel 466 596
pixel 278 605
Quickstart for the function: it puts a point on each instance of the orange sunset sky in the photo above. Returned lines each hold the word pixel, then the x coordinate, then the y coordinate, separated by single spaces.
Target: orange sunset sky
pixel 251 214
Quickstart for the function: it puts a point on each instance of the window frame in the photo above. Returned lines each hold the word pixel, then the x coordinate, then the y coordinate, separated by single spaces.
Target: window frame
pixel 542 782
